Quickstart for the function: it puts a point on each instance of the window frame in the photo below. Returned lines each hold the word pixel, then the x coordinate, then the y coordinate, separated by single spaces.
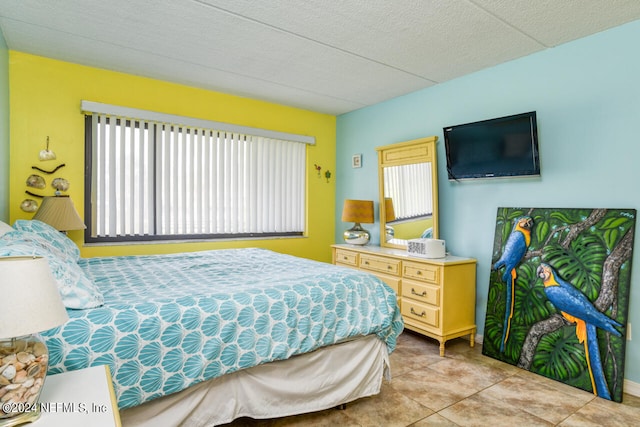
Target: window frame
pixel 155 238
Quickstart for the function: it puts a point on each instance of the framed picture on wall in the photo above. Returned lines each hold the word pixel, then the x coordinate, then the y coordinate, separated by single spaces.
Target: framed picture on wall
pixel 356 161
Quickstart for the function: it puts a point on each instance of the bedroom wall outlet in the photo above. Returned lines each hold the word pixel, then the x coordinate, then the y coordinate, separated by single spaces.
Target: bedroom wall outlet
pixel 628 331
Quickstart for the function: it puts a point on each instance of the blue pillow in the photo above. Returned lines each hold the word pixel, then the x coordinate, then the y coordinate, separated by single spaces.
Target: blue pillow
pixel 76 290
pixel 53 236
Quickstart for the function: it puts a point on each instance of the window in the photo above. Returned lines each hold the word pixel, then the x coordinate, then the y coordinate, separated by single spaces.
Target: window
pixel 154 180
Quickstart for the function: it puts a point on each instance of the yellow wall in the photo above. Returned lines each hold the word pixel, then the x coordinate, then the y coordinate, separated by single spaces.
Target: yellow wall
pixel 411 229
pixel 45 100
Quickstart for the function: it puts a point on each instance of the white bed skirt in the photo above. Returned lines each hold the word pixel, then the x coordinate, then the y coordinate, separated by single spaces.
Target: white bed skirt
pixel 310 382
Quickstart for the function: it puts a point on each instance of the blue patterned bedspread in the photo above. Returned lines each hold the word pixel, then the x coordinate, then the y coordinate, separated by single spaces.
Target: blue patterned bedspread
pixel 170 321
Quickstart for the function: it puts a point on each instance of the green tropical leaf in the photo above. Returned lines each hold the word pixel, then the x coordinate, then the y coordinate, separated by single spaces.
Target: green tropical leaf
pixel 611 237
pixel 560 356
pixel 562 216
pixel 610 223
pixel 581 265
pixel 515 214
pixel 542 230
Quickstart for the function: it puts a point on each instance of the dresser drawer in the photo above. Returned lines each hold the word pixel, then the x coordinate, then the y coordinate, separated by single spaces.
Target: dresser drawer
pixel 423 313
pixel 383 265
pixel 423 272
pixel 393 282
pixel 421 292
pixel 346 257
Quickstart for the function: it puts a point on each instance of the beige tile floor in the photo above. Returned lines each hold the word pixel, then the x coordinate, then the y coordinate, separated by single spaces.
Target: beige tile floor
pixel 465 388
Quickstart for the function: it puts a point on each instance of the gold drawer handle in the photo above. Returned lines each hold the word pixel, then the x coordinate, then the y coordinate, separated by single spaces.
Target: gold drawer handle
pixel 418 272
pixel 423 314
pixel 389 267
pixel 423 294
pixel 345 257
pixel 366 263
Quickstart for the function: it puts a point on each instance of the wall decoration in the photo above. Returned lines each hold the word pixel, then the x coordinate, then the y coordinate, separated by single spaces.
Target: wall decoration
pixel 327 175
pixel 49 172
pixel 60 184
pixel 318 168
pixel 559 294
pixel 47 154
pixel 356 161
pixel 29 205
pixel 36 181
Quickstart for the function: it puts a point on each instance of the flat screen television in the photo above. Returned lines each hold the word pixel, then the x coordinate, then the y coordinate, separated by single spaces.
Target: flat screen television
pixel 500 147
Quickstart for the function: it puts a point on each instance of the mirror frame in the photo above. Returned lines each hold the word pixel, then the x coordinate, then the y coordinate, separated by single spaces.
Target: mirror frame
pixel 406 153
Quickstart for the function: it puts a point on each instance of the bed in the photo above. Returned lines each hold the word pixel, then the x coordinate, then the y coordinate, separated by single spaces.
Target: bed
pixel 202 338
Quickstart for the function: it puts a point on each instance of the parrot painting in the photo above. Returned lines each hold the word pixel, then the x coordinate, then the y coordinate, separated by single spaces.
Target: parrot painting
pixel 576 308
pixel 514 250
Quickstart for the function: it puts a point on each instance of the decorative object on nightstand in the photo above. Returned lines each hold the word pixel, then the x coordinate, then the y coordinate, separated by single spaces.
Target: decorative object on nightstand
pixel 358 211
pixel 34 306
pixel 59 212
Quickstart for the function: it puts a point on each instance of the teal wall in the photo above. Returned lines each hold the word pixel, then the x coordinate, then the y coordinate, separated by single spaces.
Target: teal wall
pixel 4 130
pixel 587 97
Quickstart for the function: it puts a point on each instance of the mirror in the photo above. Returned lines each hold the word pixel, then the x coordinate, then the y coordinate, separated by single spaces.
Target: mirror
pixel 408 189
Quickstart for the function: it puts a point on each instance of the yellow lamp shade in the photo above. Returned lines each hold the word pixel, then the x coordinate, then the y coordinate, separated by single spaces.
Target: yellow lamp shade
pixel 360 211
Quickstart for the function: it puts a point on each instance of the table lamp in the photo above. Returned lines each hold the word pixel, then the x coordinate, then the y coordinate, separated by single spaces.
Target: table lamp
pixel 30 304
pixel 59 212
pixel 357 211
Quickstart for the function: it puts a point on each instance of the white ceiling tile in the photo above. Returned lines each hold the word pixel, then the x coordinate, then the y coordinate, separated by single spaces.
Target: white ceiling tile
pixel 554 22
pixel 324 55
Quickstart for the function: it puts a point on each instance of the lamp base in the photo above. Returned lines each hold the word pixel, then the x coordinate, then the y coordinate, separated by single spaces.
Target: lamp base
pixel 356 235
pixel 23 366
pixel 22 418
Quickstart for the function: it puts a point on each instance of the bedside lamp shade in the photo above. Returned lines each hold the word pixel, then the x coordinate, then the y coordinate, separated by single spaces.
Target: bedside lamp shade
pixel 37 305
pixel 390 214
pixel 59 212
pixel 34 306
pixel 357 211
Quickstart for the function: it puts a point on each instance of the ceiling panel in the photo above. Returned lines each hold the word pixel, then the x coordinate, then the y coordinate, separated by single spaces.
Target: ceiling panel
pixel 324 55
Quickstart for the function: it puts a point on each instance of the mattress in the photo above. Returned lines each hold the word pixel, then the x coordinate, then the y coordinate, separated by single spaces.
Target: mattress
pixel 171 321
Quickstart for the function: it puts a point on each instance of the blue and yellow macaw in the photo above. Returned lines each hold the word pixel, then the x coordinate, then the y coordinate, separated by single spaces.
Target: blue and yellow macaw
pixel 576 308
pixel 514 250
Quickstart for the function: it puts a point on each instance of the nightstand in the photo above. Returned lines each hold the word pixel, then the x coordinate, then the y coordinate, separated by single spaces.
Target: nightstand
pixel 79 398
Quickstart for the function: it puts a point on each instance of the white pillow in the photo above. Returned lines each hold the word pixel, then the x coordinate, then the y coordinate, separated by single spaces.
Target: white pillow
pixel 4 228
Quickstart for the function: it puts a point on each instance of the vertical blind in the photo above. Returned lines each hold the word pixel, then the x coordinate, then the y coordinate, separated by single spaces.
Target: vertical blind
pixel 160 179
pixel 409 200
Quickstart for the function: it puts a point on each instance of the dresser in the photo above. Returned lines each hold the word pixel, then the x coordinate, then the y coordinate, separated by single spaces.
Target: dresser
pixel 437 297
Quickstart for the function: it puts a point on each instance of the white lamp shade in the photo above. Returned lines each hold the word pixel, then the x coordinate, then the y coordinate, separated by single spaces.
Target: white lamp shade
pixel 31 299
